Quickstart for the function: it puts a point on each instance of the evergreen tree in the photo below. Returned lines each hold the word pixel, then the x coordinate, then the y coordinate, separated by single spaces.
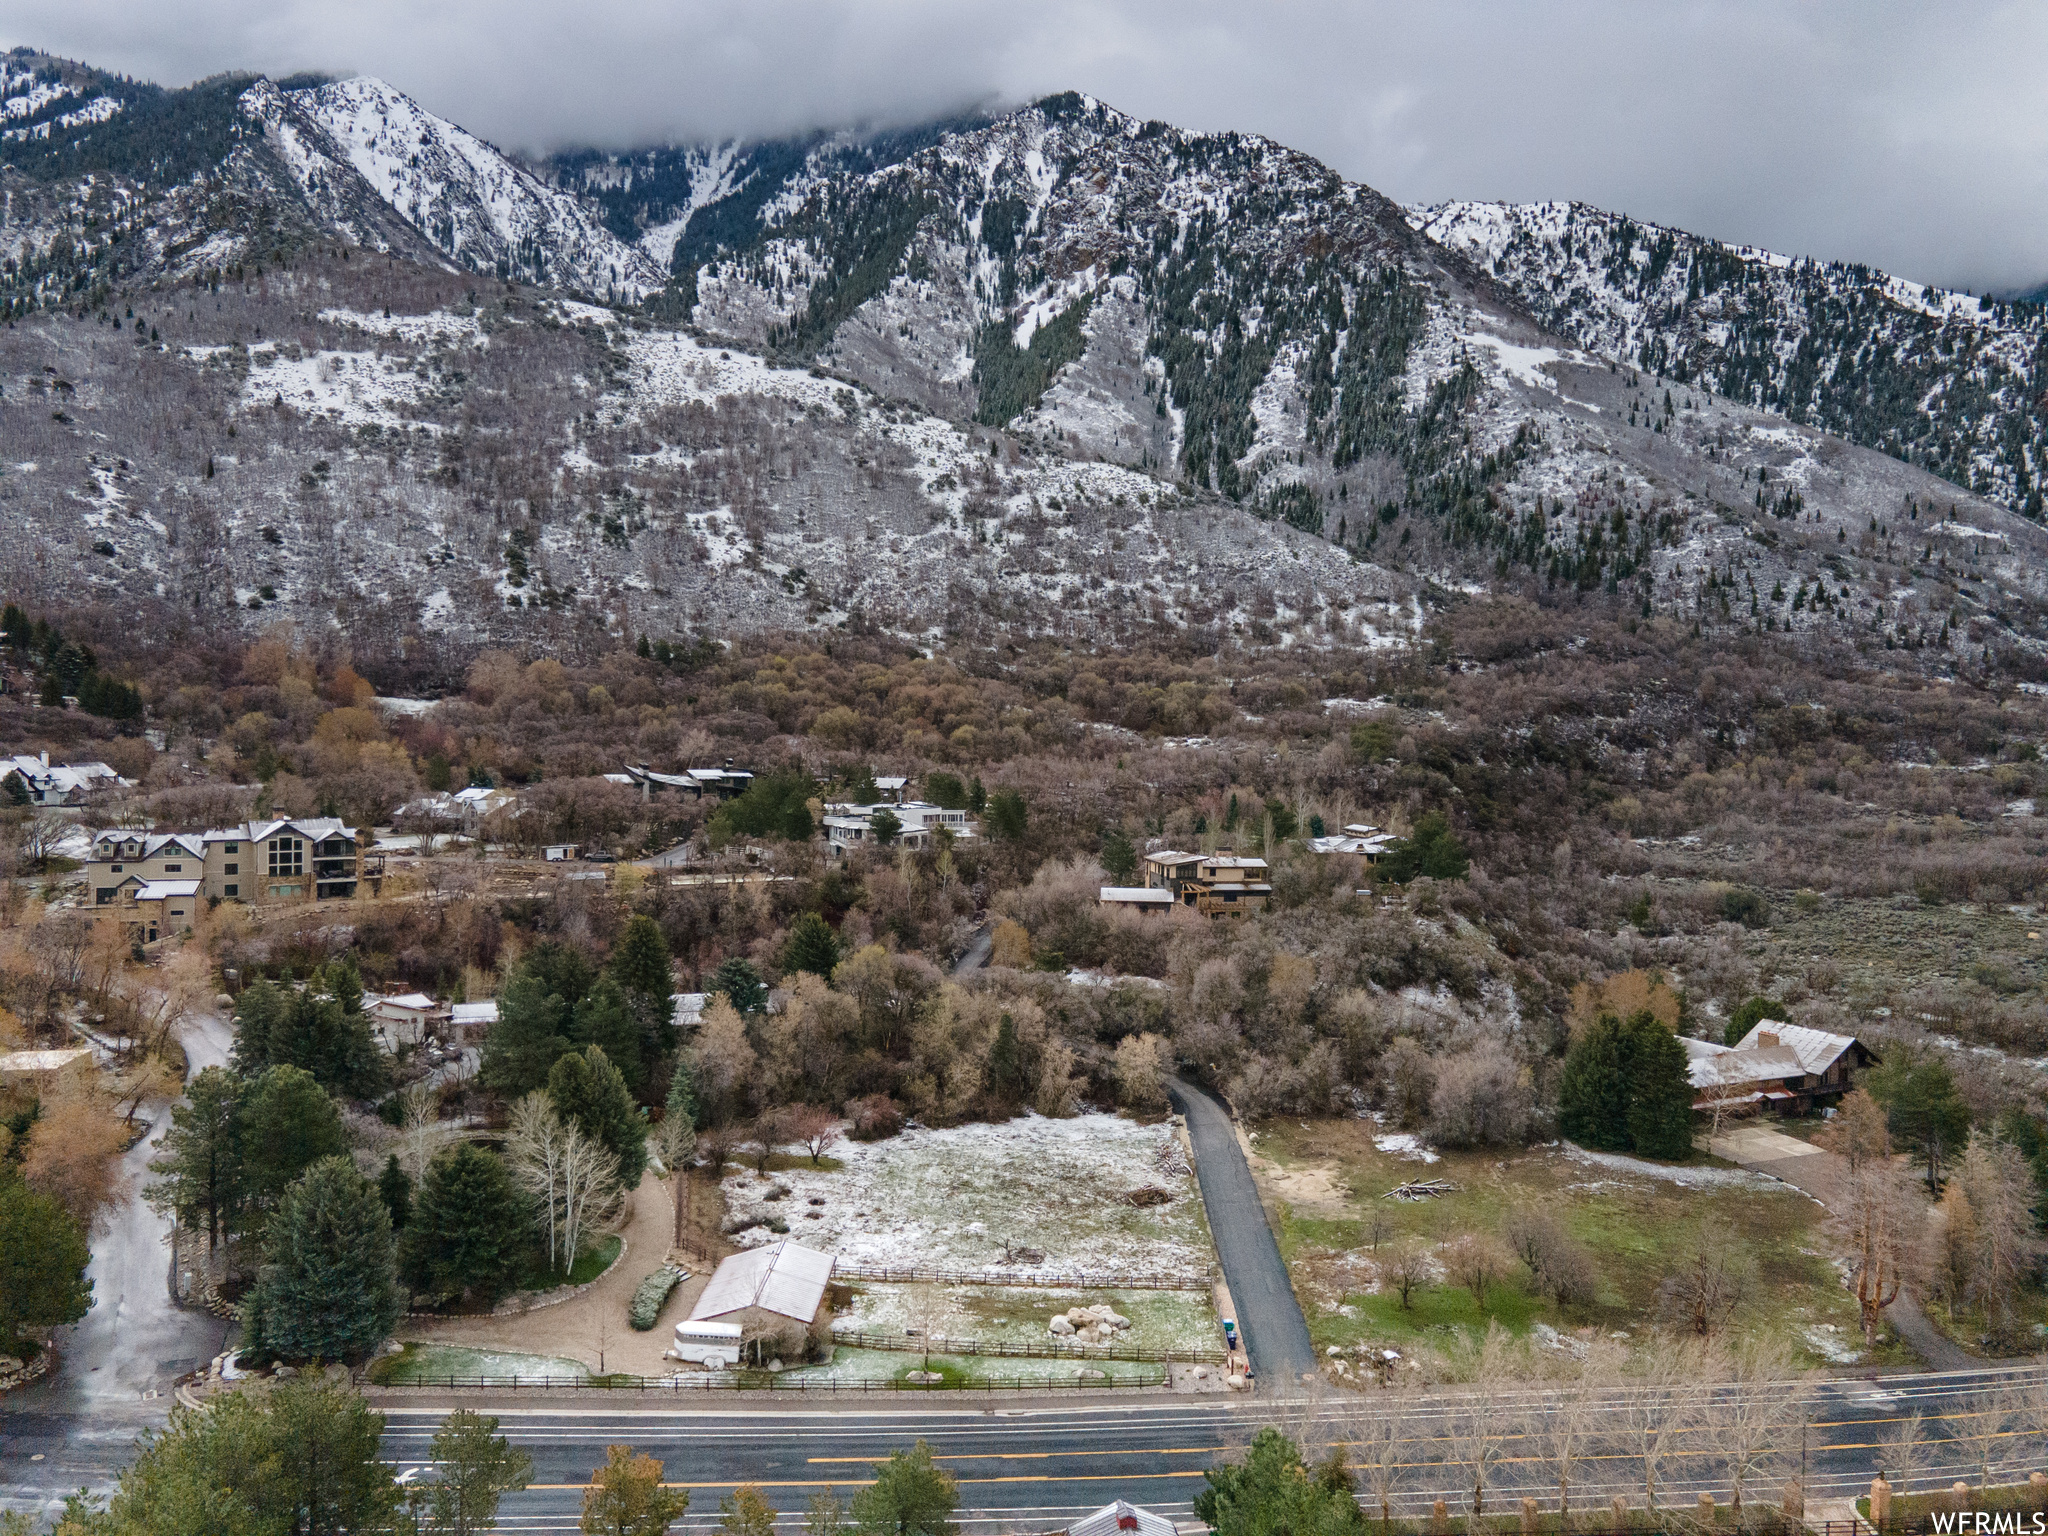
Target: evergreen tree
pixel 202 1176
pixel 394 1188
pixel 1660 1094
pixel 640 960
pixel 257 1014
pixel 1752 1012
pixel 311 1029
pixel 324 1443
pixel 811 946
pixel 886 826
pixel 468 1228
pixel 1927 1113
pixel 477 1466
pixel 585 1087
pixel 328 1290
pixel 1625 1088
pixel 604 1018
pixel 1432 850
pixel 1007 815
pixel 530 1036
pixel 288 1124
pixel 42 1263
pixel 741 984
pixel 1272 1493
pixel 683 1098
pixel 1005 1076
pixel 1592 1103
pixel 1119 858
pixel 910 1496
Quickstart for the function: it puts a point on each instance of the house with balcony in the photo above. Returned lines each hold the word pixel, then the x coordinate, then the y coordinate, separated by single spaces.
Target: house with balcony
pixel 1220 884
pixel 719 783
pixel 919 823
pixel 285 859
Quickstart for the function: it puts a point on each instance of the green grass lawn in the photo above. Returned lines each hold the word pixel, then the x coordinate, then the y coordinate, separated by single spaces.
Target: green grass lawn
pixel 592 1260
pixel 1638 1228
pixel 428 1363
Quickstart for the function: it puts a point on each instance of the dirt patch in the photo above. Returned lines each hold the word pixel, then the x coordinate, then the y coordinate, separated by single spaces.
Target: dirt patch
pixel 1311 1189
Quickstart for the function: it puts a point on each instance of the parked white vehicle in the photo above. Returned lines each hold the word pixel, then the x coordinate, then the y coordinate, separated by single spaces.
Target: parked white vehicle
pixel 715 1346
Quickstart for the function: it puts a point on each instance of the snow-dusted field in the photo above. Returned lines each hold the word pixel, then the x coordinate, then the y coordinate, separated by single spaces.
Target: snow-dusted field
pixel 953 1198
pixel 991 1314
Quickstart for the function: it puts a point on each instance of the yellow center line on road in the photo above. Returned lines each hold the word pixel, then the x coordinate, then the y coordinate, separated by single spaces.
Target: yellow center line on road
pixel 865 1482
pixel 1177 1450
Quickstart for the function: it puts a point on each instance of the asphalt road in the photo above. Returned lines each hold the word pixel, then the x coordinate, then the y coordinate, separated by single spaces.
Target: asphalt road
pixel 118 1364
pixel 1035 1466
pixel 1268 1316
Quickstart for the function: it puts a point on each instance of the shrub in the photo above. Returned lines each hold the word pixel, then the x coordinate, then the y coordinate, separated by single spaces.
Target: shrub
pixel 1480 1100
pixel 876 1117
pixel 651 1295
pixel 1744 906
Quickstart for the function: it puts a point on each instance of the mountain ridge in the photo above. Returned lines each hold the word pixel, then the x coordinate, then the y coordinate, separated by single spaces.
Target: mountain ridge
pixel 1062 371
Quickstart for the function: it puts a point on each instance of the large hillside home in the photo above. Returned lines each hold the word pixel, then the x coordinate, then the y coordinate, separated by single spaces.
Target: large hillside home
pixel 48 783
pixel 1215 884
pixel 292 859
pixel 1786 1068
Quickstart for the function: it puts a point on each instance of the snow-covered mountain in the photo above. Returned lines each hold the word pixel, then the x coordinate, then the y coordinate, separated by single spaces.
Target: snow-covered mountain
pixel 479 208
pixel 1059 371
pixel 1954 383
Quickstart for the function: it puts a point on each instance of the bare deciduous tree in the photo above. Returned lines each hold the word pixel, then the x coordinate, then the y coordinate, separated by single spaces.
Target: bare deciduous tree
pixel 1406 1270
pixel 815 1128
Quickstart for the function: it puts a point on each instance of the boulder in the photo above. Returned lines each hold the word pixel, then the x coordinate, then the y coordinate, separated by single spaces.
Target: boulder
pixel 1061 1327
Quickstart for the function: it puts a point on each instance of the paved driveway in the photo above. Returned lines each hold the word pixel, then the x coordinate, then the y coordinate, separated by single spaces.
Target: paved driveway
pixel 1275 1333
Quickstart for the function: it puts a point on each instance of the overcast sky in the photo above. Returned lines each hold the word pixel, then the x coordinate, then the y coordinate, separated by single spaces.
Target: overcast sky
pixel 1909 136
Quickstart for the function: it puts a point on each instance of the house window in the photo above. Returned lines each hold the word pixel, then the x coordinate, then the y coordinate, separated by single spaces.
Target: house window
pixel 174 869
pixel 287 856
pixel 232 869
pixel 230 847
pixel 231 890
pixel 286 890
pixel 103 895
pixel 114 869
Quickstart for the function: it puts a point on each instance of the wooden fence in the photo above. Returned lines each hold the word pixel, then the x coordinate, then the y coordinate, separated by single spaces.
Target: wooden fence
pixel 765 1381
pixel 1051 1349
pixel 1026 1279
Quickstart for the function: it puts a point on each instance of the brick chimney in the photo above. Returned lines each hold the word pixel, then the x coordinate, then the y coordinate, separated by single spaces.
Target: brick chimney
pixel 1765 1039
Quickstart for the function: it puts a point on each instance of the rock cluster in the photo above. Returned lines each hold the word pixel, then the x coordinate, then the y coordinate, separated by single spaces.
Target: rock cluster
pixel 1088 1325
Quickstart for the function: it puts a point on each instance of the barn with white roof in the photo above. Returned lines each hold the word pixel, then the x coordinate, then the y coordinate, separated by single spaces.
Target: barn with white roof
pixel 776 1291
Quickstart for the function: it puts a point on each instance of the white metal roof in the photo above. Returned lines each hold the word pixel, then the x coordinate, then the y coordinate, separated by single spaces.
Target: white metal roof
pixel 785 1278
pixel 158 890
pixel 485 1012
pixel 414 1001
pixel 1142 894
pixel 1816 1049
pixel 43 1061
pixel 1122 1516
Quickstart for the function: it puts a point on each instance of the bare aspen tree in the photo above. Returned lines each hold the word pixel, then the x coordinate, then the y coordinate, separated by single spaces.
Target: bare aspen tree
pixel 590 1187
pixel 421 1133
pixel 1569 1428
pixel 676 1140
pixel 1379 1449
pixel 533 1149
pixel 1749 1418
pixel 1879 1220
pixel 1479 1422
pixel 1905 1450
pixel 1657 1409
pixel 2001 1189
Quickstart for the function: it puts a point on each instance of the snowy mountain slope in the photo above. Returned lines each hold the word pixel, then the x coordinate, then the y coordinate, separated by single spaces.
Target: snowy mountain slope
pixel 478 207
pixel 1060 371
pixel 1944 380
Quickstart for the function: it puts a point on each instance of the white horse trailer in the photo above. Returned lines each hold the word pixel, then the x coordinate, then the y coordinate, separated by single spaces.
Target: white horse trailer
pixel 715 1346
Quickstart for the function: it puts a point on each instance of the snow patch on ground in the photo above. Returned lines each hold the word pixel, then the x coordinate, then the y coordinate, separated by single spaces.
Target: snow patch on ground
pixel 952 1199
pixel 1674 1173
pixel 1404 1144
